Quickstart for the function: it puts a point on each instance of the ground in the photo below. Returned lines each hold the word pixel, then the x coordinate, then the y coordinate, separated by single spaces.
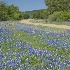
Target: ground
pixel 49 25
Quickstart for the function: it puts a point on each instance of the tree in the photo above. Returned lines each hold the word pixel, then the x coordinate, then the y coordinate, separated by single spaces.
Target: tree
pixel 59 10
pixel 13 12
pixel 26 16
pixel 59 16
pixel 58 5
pixel 3 11
pixel 9 12
pixel 38 15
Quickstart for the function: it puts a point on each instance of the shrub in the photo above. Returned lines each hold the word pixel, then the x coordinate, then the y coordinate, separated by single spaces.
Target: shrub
pixel 59 16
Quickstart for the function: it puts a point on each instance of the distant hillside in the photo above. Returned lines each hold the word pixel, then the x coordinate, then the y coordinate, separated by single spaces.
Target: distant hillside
pixel 34 11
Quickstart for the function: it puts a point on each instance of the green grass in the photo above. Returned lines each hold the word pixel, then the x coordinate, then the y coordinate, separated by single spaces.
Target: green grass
pixel 35 42
pixel 58 23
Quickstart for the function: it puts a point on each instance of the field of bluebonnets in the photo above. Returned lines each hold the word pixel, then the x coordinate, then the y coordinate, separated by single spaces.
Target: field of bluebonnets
pixel 28 47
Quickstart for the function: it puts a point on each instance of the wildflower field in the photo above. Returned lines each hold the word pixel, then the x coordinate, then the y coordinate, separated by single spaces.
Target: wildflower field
pixel 30 47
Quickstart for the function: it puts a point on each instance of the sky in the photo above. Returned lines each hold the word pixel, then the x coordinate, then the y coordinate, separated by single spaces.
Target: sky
pixel 27 5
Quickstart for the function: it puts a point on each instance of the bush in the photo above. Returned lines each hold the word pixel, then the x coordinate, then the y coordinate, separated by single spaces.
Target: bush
pixel 26 16
pixel 59 16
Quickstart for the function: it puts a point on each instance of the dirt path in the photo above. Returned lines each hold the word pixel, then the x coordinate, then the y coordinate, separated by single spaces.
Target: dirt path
pixel 49 25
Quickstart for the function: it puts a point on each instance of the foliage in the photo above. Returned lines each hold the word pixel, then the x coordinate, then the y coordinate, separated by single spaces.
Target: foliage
pixel 38 14
pixel 13 11
pixel 58 5
pixel 25 16
pixel 59 10
pixel 41 14
pixel 9 12
pixel 59 16
pixel 3 11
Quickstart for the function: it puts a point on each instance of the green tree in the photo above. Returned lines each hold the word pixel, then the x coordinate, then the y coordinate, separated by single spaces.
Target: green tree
pixel 38 15
pixel 26 16
pixel 9 12
pixel 59 16
pixel 59 10
pixel 13 12
pixel 3 11
pixel 58 5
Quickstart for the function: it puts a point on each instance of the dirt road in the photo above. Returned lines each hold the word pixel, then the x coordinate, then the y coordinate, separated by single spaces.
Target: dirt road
pixel 49 25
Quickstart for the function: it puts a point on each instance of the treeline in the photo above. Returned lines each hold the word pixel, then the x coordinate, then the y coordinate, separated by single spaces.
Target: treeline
pixel 37 14
pixel 9 12
pixel 58 10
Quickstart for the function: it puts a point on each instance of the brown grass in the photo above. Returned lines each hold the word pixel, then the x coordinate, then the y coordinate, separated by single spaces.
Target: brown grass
pixel 49 25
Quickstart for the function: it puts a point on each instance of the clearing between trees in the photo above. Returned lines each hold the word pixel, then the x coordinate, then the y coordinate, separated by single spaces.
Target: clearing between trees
pixel 49 25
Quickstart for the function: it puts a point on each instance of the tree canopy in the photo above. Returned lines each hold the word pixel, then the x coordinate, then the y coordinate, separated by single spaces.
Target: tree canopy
pixel 9 12
pixel 58 5
pixel 59 10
